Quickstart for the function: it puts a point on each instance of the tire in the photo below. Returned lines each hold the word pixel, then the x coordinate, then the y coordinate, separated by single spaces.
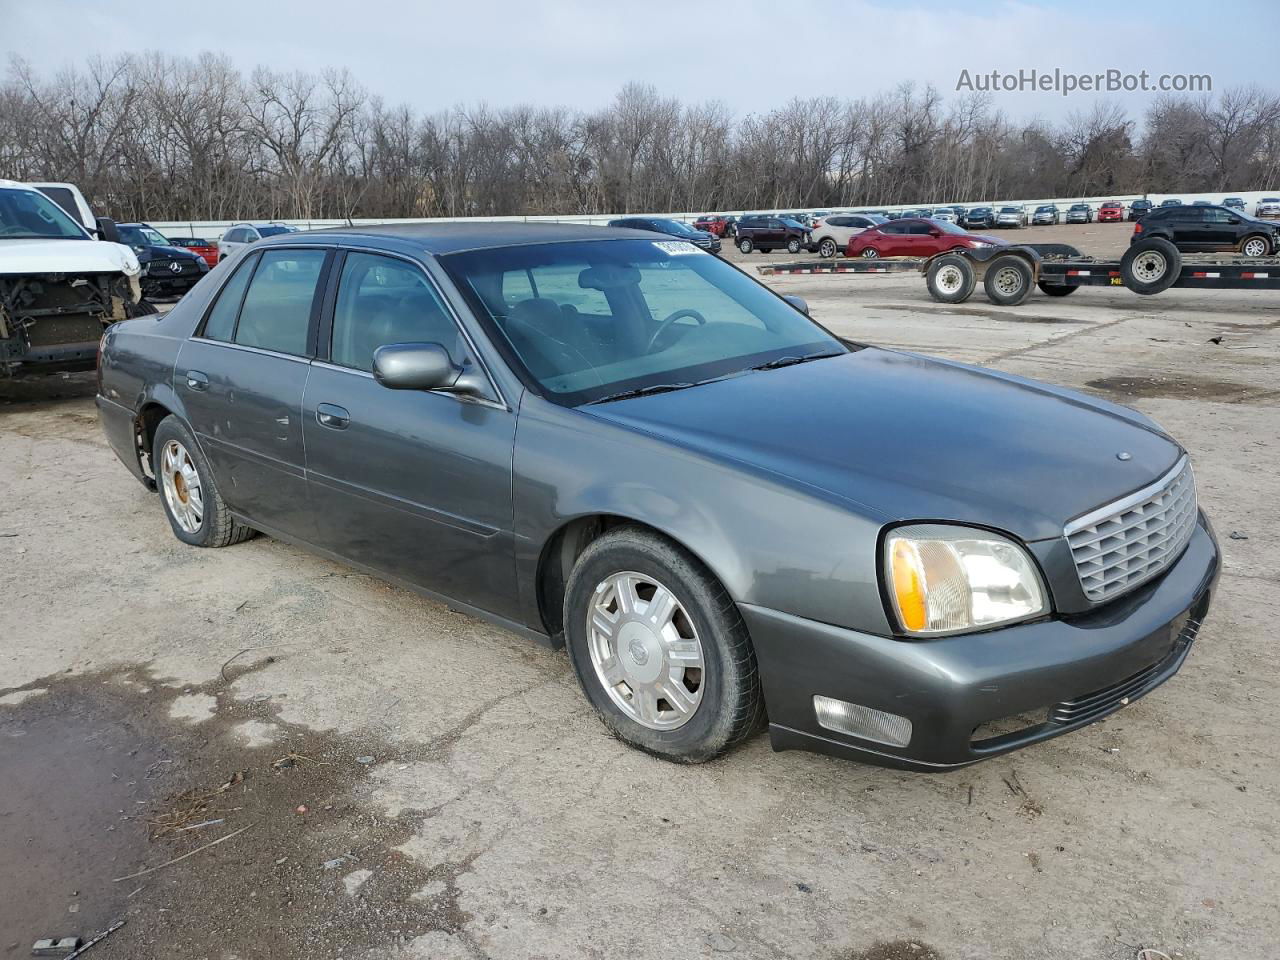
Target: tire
pixel 143 308
pixel 1008 280
pixel 215 527
pixel 766 249
pixel 828 248
pixel 870 253
pixel 1255 245
pixel 725 703
pixel 745 245
pixel 1150 266
pixel 950 279
pixel 793 246
pixel 1056 289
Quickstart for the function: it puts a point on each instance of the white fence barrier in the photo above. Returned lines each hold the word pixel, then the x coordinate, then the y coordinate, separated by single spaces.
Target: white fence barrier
pixel 213 229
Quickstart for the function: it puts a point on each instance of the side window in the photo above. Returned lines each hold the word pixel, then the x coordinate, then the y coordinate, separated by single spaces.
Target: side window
pixel 277 309
pixel 222 318
pixel 893 228
pixel 383 300
pixel 233 235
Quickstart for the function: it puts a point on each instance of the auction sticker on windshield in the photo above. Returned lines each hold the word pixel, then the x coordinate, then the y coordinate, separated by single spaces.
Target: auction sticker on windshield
pixel 675 247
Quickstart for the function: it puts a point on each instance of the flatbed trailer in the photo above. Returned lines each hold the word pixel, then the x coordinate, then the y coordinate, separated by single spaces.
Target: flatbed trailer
pixel 1008 274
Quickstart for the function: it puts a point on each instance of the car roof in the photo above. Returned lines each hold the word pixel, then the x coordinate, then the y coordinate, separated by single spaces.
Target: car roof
pixel 456 236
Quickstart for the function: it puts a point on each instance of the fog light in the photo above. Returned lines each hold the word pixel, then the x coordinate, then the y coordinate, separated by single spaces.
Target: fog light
pixel 865 722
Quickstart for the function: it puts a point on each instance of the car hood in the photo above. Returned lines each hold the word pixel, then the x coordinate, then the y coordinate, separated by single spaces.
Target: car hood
pixel 66 256
pixel 906 437
pixel 156 251
pixel 983 238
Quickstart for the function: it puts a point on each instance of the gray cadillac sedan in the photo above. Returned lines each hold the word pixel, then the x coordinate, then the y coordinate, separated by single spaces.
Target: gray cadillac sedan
pixel 626 445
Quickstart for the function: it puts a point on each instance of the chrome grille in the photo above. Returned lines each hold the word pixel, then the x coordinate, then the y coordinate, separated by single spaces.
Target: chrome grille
pixel 1128 542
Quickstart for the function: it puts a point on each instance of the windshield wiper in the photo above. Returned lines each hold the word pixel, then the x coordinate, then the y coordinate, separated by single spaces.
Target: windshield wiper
pixel 792 360
pixel 644 391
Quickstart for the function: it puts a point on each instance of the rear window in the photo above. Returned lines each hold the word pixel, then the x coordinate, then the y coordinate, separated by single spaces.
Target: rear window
pixel 277 308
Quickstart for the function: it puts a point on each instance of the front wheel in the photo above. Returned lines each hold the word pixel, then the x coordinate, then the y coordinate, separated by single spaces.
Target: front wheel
pixel 745 245
pixel 659 648
pixel 1255 246
pixel 870 253
pixel 190 497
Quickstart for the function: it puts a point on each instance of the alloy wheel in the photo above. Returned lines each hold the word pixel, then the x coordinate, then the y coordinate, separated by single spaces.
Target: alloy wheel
pixel 183 491
pixel 645 650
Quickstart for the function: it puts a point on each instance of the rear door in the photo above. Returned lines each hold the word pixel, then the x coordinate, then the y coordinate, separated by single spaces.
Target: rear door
pixel 415 483
pixel 241 380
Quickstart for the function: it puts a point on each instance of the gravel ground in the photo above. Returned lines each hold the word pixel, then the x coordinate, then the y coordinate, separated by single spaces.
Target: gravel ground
pixel 412 783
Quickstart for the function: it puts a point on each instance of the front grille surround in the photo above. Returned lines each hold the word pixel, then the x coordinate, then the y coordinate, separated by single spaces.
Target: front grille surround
pixel 1122 545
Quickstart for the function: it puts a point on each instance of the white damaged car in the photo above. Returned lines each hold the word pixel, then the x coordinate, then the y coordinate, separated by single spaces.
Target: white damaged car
pixel 60 286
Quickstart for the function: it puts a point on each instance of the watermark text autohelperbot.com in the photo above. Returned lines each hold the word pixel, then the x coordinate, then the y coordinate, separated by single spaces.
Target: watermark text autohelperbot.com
pixel 1065 83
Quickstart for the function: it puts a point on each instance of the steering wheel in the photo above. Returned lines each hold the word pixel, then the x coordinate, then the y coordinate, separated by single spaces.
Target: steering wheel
pixel 665 325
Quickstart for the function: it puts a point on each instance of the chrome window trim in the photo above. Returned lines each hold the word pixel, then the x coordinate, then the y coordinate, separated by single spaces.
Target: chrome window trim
pixel 1125 503
pixel 248 349
pixel 459 397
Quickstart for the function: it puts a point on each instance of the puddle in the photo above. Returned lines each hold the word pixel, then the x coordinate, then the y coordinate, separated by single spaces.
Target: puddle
pixel 1180 387
pixel 104 779
pixel 897 950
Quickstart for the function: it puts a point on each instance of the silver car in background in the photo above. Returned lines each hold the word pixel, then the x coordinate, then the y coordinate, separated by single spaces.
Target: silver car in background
pixel 240 235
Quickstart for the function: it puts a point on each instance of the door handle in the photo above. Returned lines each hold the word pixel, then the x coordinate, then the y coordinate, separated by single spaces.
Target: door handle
pixel 197 380
pixel 332 416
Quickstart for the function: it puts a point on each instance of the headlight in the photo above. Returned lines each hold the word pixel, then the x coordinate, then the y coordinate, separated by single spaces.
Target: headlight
pixel 978 243
pixel 948 579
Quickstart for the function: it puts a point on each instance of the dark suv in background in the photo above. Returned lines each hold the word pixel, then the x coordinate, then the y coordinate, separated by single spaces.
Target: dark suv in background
pixel 1140 208
pixel 672 228
pixel 1196 229
pixel 167 269
pixel 980 217
pixel 766 233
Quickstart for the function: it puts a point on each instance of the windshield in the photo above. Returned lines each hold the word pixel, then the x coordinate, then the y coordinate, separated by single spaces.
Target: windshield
pixel 590 319
pixel 276 230
pixel 1009 210
pixel 1080 206
pixel 675 226
pixel 30 215
pixel 143 237
pixel 1044 209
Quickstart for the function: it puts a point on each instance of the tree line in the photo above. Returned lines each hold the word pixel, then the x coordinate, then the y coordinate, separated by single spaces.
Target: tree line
pixel 168 138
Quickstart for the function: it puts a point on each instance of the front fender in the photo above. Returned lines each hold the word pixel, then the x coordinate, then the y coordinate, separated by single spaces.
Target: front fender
pixel 770 541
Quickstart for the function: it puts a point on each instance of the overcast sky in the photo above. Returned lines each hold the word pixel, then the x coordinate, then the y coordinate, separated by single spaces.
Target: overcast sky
pixel 751 55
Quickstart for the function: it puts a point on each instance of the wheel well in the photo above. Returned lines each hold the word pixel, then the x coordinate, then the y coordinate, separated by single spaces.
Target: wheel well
pixel 149 418
pixel 559 555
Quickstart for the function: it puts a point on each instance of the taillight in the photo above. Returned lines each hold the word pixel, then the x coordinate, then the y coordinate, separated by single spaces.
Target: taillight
pixel 1137 228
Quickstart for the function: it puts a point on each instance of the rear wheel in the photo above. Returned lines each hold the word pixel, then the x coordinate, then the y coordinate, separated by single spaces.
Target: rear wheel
pixel 793 246
pixel 1255 246
pixel 659 648
pixel 745 244
pixel 1008 281
pixel 190 497
pixel 950 279
pixel 827 248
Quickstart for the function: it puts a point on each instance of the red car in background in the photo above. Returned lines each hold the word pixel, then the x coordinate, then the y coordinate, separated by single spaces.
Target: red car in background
pixel 915 238
pixel 206 250
pixel 716 226
pixel 1111 212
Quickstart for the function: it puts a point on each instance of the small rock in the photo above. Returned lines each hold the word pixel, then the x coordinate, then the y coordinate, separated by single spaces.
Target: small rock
pixel 804 888
pixel 301 808
pixel 364 760
pixel 721 944
pixel 1237 535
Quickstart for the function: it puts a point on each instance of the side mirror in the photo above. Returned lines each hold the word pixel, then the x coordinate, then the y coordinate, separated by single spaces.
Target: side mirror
pixel 797 302
pixel 1233 220
pixel 935 232
pixel 107 230
pixel 424 366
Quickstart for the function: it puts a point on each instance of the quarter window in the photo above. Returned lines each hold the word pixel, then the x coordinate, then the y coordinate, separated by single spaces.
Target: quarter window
pixel 277 308
pixel 222 318
pixel 383 300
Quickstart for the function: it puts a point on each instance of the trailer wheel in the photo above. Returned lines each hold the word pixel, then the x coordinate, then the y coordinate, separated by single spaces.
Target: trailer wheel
pixel 1056 289
pixel 1255 246
pixel 1008 280
pixel 745 244
pixel 951 279
pixel 1150 266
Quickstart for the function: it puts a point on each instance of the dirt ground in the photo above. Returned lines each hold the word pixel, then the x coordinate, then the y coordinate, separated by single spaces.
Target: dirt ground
pixel 387 778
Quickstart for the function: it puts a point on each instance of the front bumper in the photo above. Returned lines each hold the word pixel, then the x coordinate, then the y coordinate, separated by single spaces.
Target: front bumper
pixel 1054 676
